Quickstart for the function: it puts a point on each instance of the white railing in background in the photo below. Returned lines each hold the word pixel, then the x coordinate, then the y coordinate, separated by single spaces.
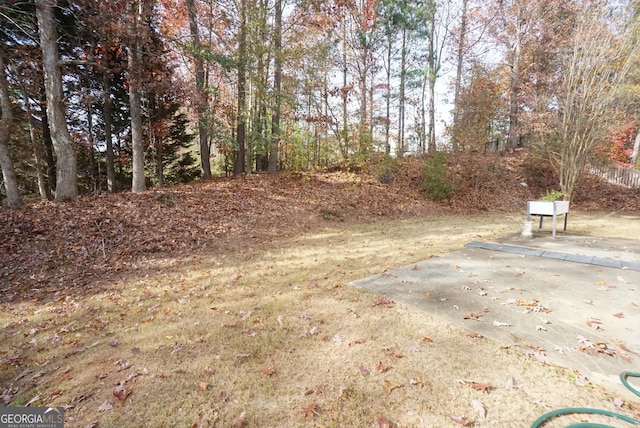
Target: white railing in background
pixel 627 177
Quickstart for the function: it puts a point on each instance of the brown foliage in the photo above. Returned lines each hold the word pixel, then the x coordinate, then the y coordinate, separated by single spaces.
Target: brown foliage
pixel 47 247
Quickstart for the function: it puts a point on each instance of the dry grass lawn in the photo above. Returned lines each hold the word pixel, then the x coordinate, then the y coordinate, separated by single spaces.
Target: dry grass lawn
pixel 270 334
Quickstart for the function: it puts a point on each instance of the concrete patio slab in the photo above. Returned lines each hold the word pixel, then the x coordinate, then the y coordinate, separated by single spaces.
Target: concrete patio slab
pixel 571 301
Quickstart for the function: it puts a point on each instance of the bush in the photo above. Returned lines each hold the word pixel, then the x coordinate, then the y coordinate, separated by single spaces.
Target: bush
pixel 437 183
pixel 384 167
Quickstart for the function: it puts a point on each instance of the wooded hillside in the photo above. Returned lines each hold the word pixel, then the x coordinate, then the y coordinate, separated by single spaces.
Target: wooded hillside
pixel 48 246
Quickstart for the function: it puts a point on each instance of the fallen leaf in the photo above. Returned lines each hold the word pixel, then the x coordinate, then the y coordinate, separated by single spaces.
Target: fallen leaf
pixel 479 408
pixel 624 348
pixel 390 385
pixel 427 340
pixel 542 357
pixel 418 382
pixel 105 407
pixel 618 402
pixel 460 420
pixel 501 324
pixel 383 301
pixel 238 421
pixel 268 371
pixel 482 387
pixel 619 315
pixel 471 316
pixel 311 410
pixel 382 367
pixel 385 423
pixel 121 392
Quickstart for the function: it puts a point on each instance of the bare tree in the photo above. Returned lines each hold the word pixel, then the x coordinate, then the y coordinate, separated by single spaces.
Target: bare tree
pixel 585 100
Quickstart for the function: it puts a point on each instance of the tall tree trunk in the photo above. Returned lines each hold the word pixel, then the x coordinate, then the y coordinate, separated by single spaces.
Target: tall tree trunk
pixel 66 164
pixel 239 161
pixel 6 121
pixel 364 58
pixel 345 90
pixel 201 101
pixel 47 142
pixel 277 89
pixel 459 67
pixel 93 164
pixel 432 75
pixel 138 184
pixel 387 122
pixel 43 187
pixel 514 83
pixel 401 100
pixel 107 111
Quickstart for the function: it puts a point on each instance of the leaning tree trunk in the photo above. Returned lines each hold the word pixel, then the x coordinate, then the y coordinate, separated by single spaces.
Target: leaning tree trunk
pixel 8 172
pixel 66 166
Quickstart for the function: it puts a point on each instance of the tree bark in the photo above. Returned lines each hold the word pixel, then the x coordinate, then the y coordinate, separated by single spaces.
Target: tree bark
pixel 514 83
pixel 66 164
pixel 47 142
pixel 459 67
pixel 432 76
pixel 201 102
pixel 636 150
pixel 401 100
pixel 239 161
pixel 43 187
pixel 345 89
pixel 107 111
pixel 387 122
pixel 138 184
pixel 277 89
pixel 6 121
